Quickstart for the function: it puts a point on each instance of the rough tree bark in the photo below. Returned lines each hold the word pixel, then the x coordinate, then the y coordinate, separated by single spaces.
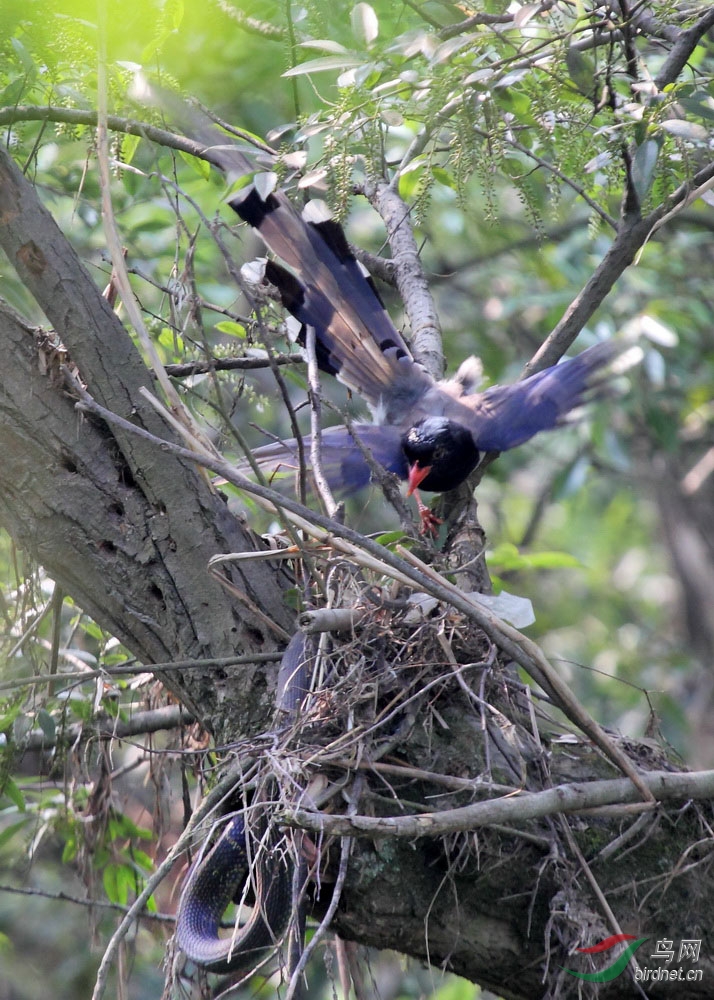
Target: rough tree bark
pixel 128 530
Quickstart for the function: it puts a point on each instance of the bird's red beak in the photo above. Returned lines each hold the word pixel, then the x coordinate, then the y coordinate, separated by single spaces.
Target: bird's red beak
pixel 417 475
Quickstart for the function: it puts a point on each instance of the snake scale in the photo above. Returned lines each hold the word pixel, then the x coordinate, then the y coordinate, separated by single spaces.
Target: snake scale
pixel 216 879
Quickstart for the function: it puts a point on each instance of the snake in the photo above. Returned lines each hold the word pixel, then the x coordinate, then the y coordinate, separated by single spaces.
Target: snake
pixel 216 879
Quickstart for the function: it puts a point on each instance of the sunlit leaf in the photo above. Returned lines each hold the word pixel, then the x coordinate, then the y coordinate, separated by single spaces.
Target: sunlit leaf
pixel 392 118
pixel 265 182
pixel 324 44
pixel 129 146
pixel 313 177
pixel 525 13
pixel 365 25
pixel 28 63
pixel 685 130
pixel 323 64
pixel 232 328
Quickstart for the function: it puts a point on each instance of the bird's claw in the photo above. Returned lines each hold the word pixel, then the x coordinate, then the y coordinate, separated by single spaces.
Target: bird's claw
pixel 429 522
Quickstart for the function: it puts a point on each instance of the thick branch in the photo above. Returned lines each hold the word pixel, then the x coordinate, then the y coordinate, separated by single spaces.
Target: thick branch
pixel 633 234
pixel 410 277
pixel 511 809
pixel 683 48
pixel 153 721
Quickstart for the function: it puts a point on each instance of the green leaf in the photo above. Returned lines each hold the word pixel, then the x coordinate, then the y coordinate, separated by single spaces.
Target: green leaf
pixel 176 11
pixel 410 181
pixel 581 70
pixel 13 92
pixel 10 789
pixel 509 559
pixel 699 103
pixel 231 328
pixel 69 852
pixel 551 560
pixel 8 716
pixel 445 177
pixel 170 340
pixel 390 537
pixel 643 167
pixel 129 146
pixel 201 167
pixel 9 832
pixel 24 56
pixel 142 860
pixel 122 827
pixel 111 884
pixel 47 724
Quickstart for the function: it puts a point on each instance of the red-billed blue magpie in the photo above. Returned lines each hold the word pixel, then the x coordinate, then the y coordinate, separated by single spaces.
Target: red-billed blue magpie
pixel 429 433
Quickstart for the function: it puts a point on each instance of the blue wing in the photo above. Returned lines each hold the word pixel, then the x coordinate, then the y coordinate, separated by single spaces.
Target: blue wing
pixel 343 463
pixel 507 415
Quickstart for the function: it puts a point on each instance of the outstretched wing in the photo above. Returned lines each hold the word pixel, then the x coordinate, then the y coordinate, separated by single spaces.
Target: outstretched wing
pixel 343 463
pixel 506 416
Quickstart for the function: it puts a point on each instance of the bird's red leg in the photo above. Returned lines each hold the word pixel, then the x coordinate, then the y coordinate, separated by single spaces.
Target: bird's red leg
pixel 429 521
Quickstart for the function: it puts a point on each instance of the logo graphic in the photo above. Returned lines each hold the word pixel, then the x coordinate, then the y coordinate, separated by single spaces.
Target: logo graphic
pixel 620 963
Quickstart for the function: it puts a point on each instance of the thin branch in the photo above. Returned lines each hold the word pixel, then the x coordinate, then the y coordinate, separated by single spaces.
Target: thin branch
pixel 572 798
pixel 111 234
pixel 683 48
pixel 64 897
pixel 474 22
pixel 345 849
pixel 199 367
pixel 155 668
pixel 410 277
pixel 153 721
pixel 251 24
pixel 631 237
pixel 313 384
pixel 116 123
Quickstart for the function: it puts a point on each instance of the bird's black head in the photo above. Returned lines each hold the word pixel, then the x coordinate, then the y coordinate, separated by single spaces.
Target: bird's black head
pixel 440 453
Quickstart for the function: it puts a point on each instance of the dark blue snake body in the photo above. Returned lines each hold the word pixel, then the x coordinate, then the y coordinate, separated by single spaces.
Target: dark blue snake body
pixel 216 879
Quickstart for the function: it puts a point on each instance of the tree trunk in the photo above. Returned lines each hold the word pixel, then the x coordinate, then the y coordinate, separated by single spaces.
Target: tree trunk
pixel 125 528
